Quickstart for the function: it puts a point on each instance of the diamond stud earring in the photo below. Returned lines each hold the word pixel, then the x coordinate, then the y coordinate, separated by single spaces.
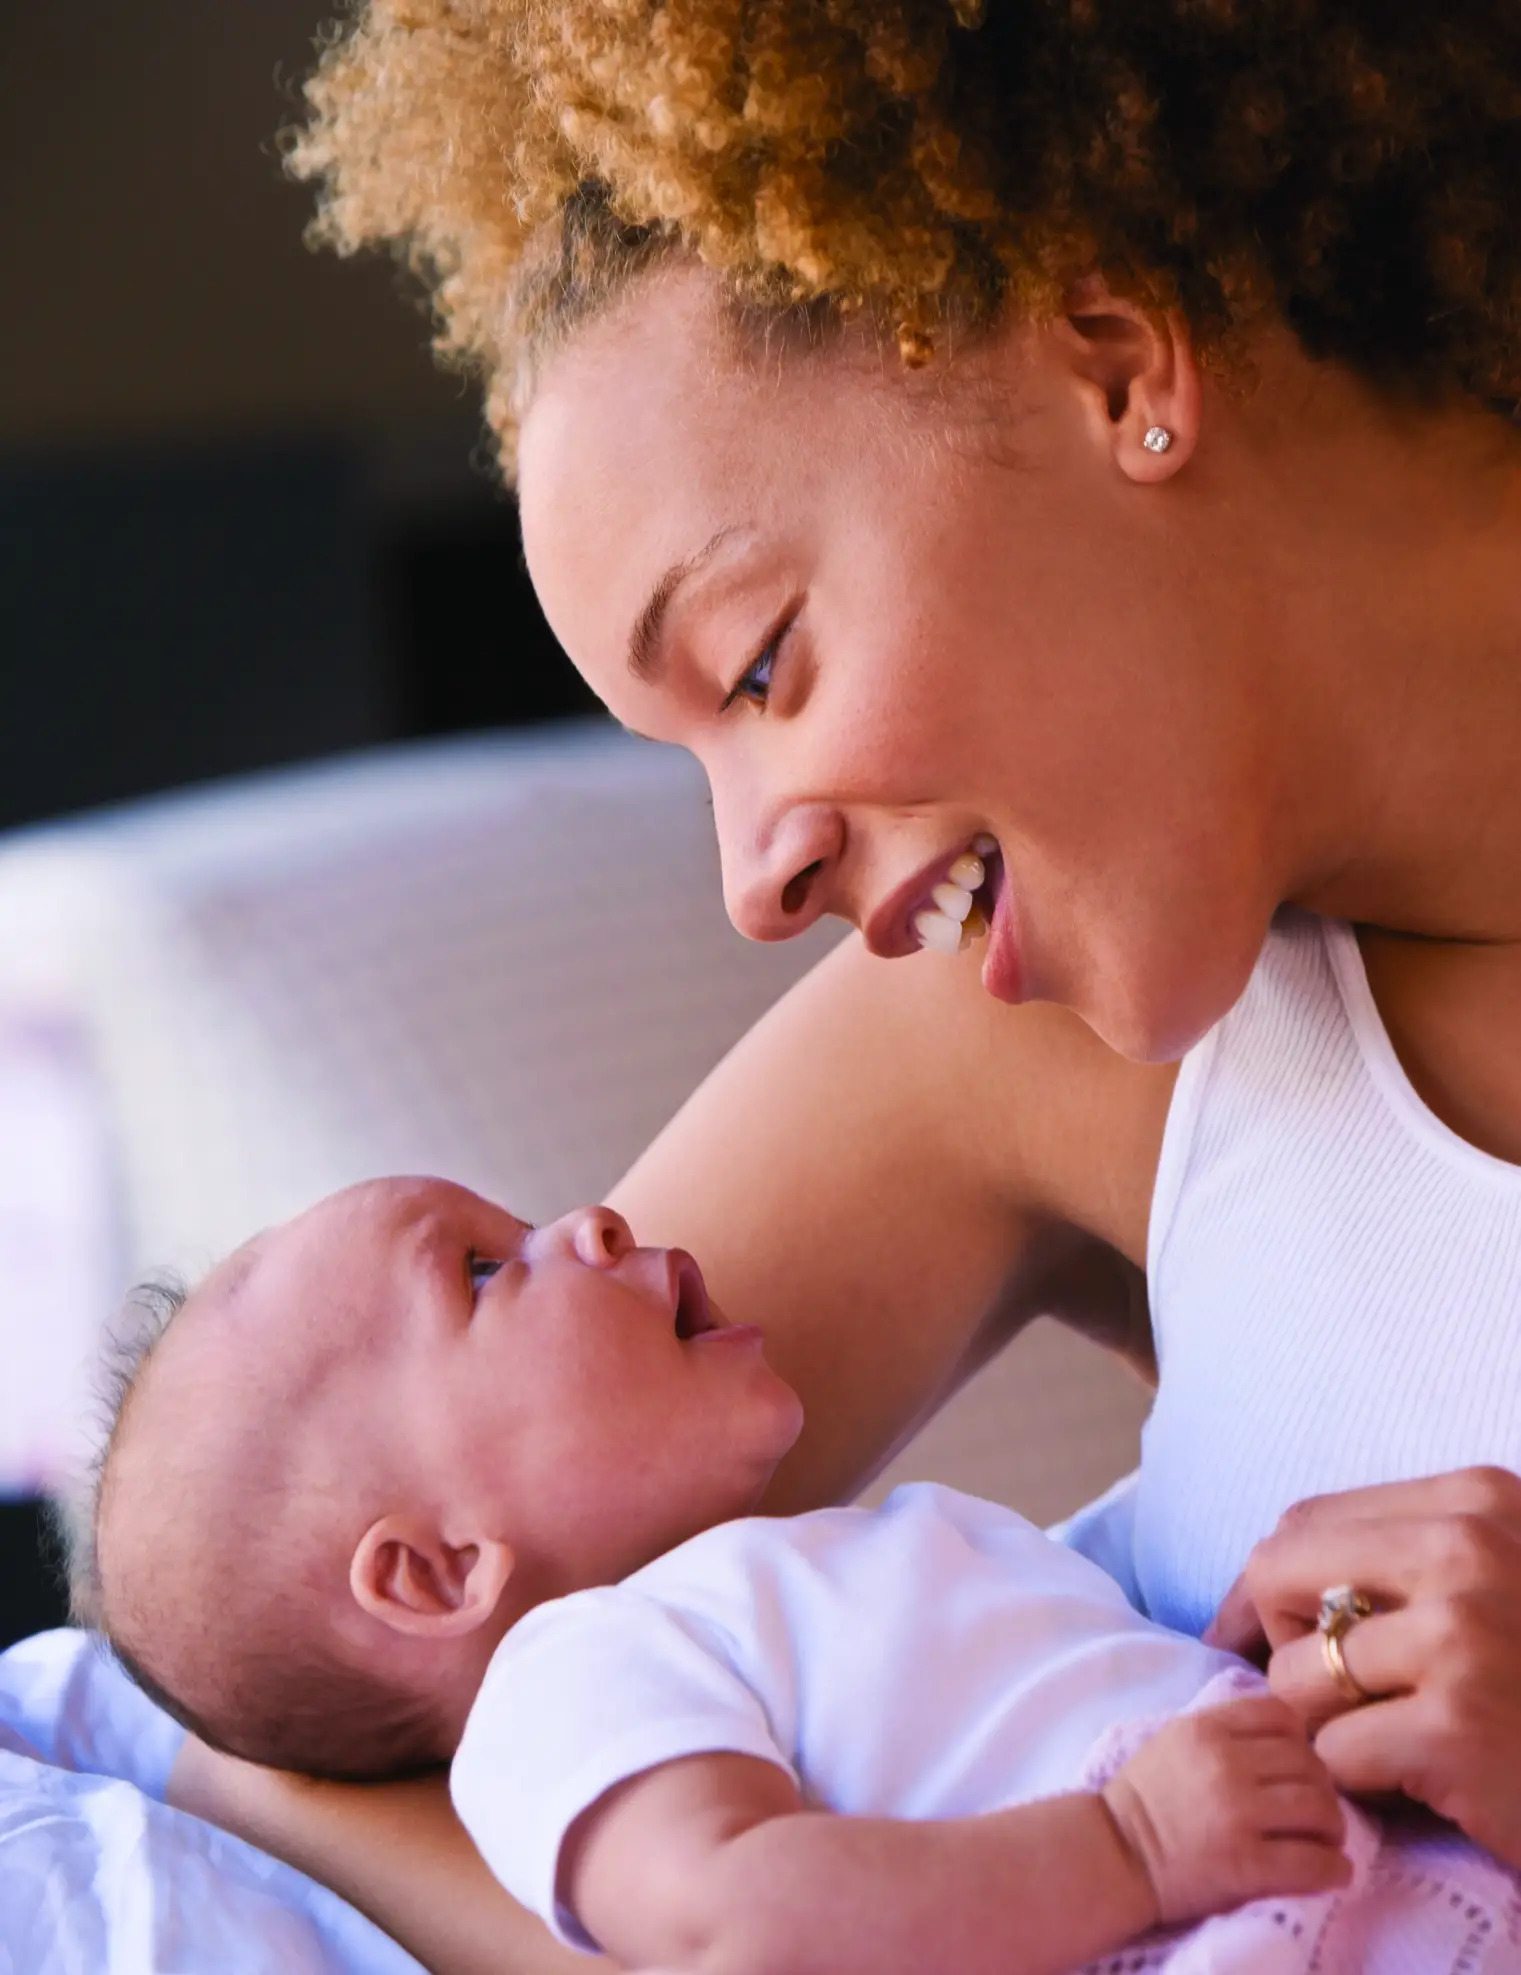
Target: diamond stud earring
pixel 1157 439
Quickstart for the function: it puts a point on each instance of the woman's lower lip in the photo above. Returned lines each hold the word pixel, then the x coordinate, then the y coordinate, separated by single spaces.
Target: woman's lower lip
pixel 1002 974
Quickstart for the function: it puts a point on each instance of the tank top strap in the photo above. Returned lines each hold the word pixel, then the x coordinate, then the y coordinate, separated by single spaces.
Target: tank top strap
pixel 1335 1276
pixel 1288 1022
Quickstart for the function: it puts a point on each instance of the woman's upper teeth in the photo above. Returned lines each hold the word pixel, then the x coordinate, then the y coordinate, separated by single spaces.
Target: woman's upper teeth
pixel 951 899
pixel 953 921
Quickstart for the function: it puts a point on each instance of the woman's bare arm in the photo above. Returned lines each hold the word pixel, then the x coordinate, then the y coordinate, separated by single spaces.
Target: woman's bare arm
pixel 892 1173
pixel 394 1850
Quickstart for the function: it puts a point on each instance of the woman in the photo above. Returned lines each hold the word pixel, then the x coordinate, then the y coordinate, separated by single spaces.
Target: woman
pixel 1080 439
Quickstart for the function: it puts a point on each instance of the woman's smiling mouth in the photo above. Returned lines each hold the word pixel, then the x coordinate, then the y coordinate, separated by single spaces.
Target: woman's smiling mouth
pixel 944 906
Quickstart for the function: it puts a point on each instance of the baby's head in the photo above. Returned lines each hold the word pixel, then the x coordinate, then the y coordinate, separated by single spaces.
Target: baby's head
pixel 378 1434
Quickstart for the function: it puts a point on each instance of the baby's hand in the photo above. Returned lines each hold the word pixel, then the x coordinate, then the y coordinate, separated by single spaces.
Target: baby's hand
pixel 1229 1805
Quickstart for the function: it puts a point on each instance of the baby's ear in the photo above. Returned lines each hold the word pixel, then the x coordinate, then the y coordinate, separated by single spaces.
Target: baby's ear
pixel 408 1575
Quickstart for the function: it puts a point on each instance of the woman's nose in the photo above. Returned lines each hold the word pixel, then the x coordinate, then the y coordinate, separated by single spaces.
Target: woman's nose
pixel 600 1237
pixel 778 885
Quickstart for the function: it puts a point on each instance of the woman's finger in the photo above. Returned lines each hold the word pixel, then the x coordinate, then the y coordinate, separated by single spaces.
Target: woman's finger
pixel 1379 1750
pixel 1444 1723
pixel 1307 1551
pixel 1277 1597
pixel 1383 1655
pixel 1236 1626
pixel 1491 1492
pixel 1456 1760
pixel 1392 1561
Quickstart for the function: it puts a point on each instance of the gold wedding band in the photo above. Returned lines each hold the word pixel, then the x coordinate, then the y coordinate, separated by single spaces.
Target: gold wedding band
pixel 1340 1608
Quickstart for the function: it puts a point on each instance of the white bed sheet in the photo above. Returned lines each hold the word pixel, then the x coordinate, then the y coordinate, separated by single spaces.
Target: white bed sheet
pixel 98 1876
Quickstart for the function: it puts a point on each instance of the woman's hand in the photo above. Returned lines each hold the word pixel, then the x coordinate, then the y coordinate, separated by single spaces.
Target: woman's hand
pixel 1440 1657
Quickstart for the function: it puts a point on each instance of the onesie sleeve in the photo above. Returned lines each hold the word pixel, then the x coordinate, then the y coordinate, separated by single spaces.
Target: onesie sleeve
pixel 582 1694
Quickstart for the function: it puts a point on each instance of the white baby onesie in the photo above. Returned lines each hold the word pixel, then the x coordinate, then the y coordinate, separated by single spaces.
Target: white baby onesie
pixel 937 1657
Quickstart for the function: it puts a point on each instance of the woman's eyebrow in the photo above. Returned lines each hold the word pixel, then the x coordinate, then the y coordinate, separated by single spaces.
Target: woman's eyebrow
pixel 644 640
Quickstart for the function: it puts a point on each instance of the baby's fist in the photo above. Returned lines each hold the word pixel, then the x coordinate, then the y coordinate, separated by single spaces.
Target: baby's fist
pixel 1229 1805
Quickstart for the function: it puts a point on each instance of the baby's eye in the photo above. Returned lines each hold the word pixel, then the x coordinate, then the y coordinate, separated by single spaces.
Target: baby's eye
pixel 481 1269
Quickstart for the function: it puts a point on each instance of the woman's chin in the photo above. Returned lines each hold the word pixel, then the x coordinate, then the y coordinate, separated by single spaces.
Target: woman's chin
pixel 1157 1013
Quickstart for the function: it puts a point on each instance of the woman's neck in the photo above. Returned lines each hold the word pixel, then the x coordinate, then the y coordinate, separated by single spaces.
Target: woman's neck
pixel 1398 672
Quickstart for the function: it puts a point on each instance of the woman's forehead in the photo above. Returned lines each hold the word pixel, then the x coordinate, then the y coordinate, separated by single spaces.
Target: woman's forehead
pixel 651 435
pixel 650 396
pixel 628 462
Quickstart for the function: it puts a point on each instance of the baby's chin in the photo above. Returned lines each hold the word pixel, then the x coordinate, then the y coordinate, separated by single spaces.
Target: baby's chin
pixel 790 1425
pixel 688 1513
pixel 783 1429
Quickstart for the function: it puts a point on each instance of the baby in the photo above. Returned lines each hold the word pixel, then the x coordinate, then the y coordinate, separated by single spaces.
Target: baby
pixel 408 1482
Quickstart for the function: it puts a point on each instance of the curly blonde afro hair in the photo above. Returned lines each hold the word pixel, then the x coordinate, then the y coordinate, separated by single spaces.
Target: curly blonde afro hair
pixel 1350 167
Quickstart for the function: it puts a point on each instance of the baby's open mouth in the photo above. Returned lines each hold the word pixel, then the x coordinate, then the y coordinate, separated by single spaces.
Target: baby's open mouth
pixel 694 1313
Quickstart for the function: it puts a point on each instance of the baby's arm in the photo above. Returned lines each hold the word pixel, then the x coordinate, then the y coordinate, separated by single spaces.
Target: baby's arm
pixel 714 1864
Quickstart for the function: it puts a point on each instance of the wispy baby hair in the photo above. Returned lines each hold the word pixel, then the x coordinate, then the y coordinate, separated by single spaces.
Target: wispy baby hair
pixel 1348 166
pixel 193 1557
pixel 141 1323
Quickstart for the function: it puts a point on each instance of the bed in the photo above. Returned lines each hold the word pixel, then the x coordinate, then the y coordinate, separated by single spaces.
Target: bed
pixel 98 1876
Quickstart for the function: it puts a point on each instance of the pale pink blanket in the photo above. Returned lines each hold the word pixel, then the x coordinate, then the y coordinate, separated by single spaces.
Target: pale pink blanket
pixel 1427 1905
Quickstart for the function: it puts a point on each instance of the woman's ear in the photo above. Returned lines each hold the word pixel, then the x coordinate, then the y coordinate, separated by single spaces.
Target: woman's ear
pixel 408 1575
pixel 1138 376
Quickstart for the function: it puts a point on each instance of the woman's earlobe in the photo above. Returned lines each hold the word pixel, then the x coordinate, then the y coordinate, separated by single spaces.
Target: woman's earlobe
pixel 1157 430
pixel 1139 379
pixel 407 1574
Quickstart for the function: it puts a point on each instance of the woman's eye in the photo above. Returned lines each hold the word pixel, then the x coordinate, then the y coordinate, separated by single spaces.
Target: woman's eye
pixel 754 683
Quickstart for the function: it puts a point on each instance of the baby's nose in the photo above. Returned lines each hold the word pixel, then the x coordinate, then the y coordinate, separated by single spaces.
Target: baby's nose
pixel 601 1237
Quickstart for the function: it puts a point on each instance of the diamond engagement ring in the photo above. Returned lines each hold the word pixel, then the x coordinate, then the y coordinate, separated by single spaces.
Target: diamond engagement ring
pixel 1340 1608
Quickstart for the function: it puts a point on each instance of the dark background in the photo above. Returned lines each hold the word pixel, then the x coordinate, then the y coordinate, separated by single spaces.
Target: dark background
pixel 244 519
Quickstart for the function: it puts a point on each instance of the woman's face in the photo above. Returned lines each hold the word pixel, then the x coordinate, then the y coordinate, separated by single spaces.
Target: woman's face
pixel 891 615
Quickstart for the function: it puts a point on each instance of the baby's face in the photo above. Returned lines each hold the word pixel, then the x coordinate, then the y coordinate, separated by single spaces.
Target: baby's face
pixel 557 1389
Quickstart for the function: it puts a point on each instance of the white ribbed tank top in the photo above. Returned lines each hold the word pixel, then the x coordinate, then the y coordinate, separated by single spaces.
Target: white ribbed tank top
pixel 1335 1276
